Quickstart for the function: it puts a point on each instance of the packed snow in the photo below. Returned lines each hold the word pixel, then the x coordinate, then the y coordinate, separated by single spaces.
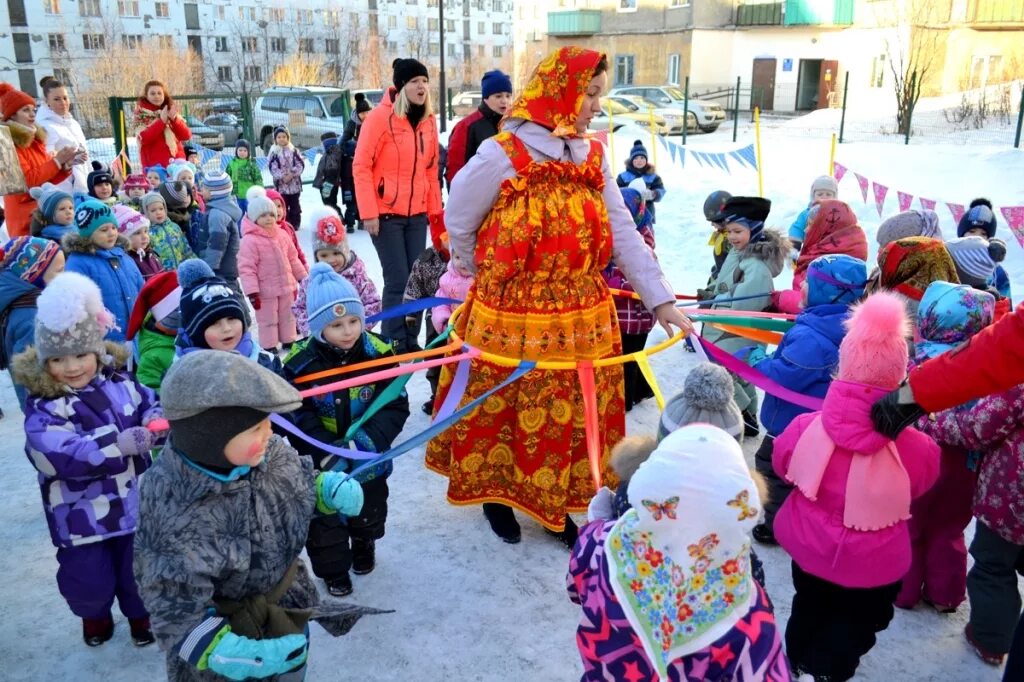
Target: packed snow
pixel 468 606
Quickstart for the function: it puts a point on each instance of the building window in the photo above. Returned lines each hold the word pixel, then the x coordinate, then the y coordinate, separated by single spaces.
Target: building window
pixel 435 49
pixel 481 27
pixel 224 74
pixel 278 45
pixel 624 69
pixel 496 29
pixel 57 42
pixel 679 3
pixel 22 48
pixel 128 8
pixel 451 49
pixel 306 45
pixel 92 41
pixel 673 69
pixel 220 44
pixel 245 13
pixel 63 75
pixel 499 51
pixel 332 46
pixel 162 10
pixel 432 24
pixel 412 23
pixel 304 16
pixel 220 12
pixel 249 44
pixel 392 46
pixel 277 14
pixel 164 41
pixel 191 16
pixel 480 51
pixel 89 8
pixel 392 21
pixel 253 73
pixel 878 71
pixel 449 25
pixel 627 5
pixel 131 41
pixel 51 6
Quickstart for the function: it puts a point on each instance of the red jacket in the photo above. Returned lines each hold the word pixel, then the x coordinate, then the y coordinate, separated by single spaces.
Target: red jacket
pixel 151 133
pixel 992 361
pixel 38 166
pixel 466 137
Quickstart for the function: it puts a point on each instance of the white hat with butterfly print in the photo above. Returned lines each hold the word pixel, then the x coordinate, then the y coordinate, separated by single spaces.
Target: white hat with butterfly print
pixel 683 550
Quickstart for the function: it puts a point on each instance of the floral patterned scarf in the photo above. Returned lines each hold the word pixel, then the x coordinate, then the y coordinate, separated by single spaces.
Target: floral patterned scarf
pixel 554 96
pixel 145 115
pixel 909 265
pixel 949 315
pixel 832 229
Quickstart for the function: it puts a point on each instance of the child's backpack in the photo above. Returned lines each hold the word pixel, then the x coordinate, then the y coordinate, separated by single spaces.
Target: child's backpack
pixel 198 231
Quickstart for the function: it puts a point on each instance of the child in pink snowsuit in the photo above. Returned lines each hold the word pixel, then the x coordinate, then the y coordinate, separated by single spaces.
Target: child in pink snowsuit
pixel 845 523
pixel 286 227
pixel 270 270
pixel 949 315
pixel 453 284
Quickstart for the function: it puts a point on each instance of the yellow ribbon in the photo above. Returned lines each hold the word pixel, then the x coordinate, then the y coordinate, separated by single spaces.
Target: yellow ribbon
pixel 645 368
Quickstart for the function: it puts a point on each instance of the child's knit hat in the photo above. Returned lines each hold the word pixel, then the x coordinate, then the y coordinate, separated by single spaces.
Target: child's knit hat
pixel 874 350
pixel 71 319
pixel 218 184
pixel 205 298
pixel 979 215
pixel 161 296
pixel 974 262
pixel 638 149
pixel 707 398
pixel 48 196
pixel 178 168
pixel 328 231
pixel 494 83
pixel 135 181
pixel 100 174
pixel 924 223
pixel 175 194
pixel 329 297
pixel 277 198
pixel 160 171
pixel 91 215
pixel 282 129
pixel 150 198
pixel 242 143
pixel 259 203
pixel 825 182
pixel 835 278
pixel 29 258
pixel 129 221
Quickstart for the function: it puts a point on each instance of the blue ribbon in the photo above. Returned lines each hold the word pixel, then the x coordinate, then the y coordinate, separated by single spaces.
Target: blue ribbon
pixel 410 307
pixel 716 301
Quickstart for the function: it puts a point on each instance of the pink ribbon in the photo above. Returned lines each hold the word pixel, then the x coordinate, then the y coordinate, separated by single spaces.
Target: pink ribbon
pixel 748 373
pixel 388 373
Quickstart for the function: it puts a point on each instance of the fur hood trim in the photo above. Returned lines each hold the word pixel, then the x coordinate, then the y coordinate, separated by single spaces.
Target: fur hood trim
pixel 773 250
pixel 37 381
pixel 630 453
pixel 23 136
pixel 74 242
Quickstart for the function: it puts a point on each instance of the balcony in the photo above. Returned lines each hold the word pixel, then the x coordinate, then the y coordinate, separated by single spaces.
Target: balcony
pixel 584 22
pixel 759 14
pixel 990 14
pixel 818 13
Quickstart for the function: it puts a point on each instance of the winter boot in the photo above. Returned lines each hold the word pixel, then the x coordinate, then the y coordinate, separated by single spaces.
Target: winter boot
pixel 567 536
pixel 428 407
pixel 340 586
pixel 503 522
pixel 96 631
pixel 142 634
pixel 764 534
pixel 984 654
pixel 364 556
pixel 751 427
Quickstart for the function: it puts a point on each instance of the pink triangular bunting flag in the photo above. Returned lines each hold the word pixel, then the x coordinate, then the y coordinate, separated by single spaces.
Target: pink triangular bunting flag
pixel 957 210
pixel 905 200
pixel 927 204
pixel 1015 219
pixel 838 171
pixel 863 182
pixel 880 192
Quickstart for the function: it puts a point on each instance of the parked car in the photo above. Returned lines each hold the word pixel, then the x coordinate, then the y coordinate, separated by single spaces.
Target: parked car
pixel 373 96
pixel 228 125
pixel 465 103
pixel 709 115
pixel 320 109
pixel 621 115
pixel 204 134
pixel 674 118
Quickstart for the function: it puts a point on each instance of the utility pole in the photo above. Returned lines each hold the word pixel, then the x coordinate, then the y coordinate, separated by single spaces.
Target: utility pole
pixel 441 49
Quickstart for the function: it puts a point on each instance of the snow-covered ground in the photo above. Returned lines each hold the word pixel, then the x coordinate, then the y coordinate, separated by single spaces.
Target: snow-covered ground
pixel 468 606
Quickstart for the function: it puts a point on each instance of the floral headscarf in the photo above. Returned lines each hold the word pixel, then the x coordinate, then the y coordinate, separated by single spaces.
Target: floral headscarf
pixel 909 265
pixel 950 314
pixel 554 96
pixel 832 230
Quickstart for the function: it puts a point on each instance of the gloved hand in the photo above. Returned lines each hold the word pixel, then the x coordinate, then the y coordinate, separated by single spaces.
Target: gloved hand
pixel 254 299
pixel 648 195
pixel 756 355
pixel 336 492
pixel 241 658
pixel 346 197
pixel 136 440
pixel 600 507
pixel 896 411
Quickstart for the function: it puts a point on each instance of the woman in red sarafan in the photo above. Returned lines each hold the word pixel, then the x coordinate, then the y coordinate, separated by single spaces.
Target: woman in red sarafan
pixel 536 213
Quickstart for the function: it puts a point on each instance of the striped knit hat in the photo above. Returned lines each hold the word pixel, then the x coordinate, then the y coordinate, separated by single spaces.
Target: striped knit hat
pixel 48 196
pixel 29 258
pixel 175 194
pixel 129 221
pixel 973 261
pixel 218 184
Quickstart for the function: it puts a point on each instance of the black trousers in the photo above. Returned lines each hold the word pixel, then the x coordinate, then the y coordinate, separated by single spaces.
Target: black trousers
pixel 778 489
pixel 294 209
pixel 399 243
pixel 329 541
pixel 831 626
pixel 992 589
pixel 637 388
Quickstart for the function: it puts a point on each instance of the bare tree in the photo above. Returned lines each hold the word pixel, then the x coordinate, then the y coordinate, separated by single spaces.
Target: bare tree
pixel 913 48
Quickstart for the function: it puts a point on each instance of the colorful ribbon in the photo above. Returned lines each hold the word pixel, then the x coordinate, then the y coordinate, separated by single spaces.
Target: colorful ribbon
pixel 770 338
pixel 748 373
pixel 644 363
pixel 585 371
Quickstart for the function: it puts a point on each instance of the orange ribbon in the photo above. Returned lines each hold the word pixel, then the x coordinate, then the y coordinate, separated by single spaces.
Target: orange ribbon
pixel 585 370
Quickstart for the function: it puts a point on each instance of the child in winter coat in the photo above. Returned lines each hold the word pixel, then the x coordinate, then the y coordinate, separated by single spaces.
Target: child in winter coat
pixel 338 338
pixel 976 260
pixel 156 176
pixel 845 526
pixel 134 188
pixel 97 251
pixel 980 221
pixel 134 227
pixel 218 235
pixel 180 208
pixel 757 256
pixel 153 327
pixel 331 246
pixel 667 590
pixel 949 315
pixel 286 165
pixel 85 432
pixel 29 264
pixel 243 171
pixel 165 236
pixel 720 245
pixel 454 284
pixel 100 183
pixel 328 171
pixel 223 514
pixel 424 279
pixel 823 188
pixel 640 175
pixel 54 216
pixel 804 362
pixel 635 320
pixel 833 229
pixel 270 270
pixel 286 227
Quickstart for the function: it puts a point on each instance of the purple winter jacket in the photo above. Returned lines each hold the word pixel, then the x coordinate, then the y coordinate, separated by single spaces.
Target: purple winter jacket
pixel 89 488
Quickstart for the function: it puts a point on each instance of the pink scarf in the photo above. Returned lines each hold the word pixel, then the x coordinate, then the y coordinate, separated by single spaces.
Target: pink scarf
pixel 877 488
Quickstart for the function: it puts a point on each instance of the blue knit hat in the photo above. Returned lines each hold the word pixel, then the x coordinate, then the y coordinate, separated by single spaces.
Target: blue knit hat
pixel 205 298
pixel 638 150
pixel 329 297
pixel 836 278
pixel 159 170
pixel 49 196
pixel 495 82
pixel 980 215
pixel 218 184
pixel 91 215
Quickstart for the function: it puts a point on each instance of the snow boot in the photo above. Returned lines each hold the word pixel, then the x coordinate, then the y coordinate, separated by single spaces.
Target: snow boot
pixel 751 427
pixel 142 633
pixel 364 556
pixel 569 535
pixel 984 654
pixel 340 586
pixel 428 407
pixel 764 534
pixel 96 631
pixel 503 522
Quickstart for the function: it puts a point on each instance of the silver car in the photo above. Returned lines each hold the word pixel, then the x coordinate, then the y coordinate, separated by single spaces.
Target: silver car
pixel 228 125
pixel 308 112
pixel 709 115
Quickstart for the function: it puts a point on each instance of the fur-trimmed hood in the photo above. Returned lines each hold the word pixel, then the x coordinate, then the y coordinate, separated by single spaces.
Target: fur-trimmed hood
pixel 630 453
pixel 23 136
pixel 75 242
pixel 37 381
pixel 773 250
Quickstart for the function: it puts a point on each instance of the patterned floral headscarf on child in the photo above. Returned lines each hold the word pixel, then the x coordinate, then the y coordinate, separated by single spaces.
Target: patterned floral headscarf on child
pixel 679 560
pixel 949 315
pixel 909 265
pixel 554 96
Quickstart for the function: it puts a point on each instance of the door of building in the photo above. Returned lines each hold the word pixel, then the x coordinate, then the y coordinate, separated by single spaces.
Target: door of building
pixel 827 83
pixel 807 82
pixel 762 89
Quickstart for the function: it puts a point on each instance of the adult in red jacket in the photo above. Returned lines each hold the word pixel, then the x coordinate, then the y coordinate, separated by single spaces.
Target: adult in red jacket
pixel 159 126
pixel 397 185
pixel 482 124
pixel 18 115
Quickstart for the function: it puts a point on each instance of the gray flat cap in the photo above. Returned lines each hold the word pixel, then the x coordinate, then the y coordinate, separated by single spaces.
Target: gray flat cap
pixel 205 379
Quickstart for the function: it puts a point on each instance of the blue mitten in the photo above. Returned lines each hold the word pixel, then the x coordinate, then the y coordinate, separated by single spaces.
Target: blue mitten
pixel 756 356
pixel 337 492
pixel 213 646
pixel 136 440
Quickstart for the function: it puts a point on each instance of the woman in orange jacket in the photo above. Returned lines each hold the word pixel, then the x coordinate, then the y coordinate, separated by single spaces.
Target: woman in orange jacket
pixel 396 180
pixel 18 114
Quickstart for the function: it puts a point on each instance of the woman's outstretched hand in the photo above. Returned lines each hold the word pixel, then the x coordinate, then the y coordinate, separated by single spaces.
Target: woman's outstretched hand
pixel 670 316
